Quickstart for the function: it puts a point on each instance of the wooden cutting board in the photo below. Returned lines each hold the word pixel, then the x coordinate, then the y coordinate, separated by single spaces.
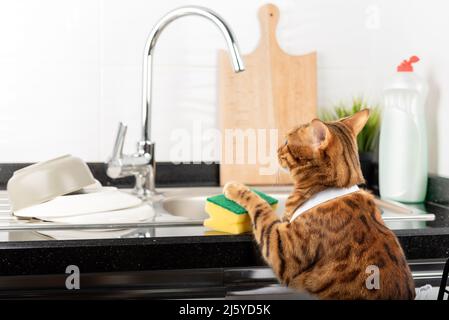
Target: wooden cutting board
pixel 276 91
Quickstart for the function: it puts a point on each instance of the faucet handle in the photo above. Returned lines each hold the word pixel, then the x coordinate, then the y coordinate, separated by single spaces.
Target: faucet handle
pixel 115 167
pixel 117 151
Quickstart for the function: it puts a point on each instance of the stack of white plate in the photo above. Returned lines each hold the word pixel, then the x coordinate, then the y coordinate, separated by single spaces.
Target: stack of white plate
pixel 63 190
pixel 102 205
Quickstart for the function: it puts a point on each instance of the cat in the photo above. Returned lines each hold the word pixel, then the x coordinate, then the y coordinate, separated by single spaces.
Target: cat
pixel 330 249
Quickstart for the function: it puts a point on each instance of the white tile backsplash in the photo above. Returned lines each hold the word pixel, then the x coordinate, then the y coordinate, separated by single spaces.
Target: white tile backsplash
pixel 70 70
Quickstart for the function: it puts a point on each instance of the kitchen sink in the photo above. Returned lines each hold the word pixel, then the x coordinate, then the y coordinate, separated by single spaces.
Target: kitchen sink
pixel 184 207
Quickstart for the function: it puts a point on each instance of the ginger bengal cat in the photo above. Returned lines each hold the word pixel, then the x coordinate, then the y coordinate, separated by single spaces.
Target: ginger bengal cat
pixel 327 249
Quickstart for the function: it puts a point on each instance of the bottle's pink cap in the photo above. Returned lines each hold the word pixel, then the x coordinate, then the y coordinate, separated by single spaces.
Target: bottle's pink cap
pixel 406 65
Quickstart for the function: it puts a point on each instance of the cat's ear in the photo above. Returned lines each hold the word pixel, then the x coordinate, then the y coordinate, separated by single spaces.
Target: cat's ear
pixel 357 121
pixel 319 133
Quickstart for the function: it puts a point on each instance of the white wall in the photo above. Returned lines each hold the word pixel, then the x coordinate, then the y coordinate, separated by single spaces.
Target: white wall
pixel 70 70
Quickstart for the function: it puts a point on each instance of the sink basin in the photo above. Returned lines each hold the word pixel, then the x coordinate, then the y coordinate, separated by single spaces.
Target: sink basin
pixel 191 205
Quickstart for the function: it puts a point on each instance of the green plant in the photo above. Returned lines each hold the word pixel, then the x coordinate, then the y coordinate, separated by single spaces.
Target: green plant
pixel 368 137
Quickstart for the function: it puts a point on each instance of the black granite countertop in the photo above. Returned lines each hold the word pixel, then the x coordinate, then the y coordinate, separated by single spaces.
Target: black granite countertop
pixel 196 250
pixel 181 252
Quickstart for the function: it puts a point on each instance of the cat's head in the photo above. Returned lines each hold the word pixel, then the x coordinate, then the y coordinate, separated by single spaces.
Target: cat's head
pixel 324 153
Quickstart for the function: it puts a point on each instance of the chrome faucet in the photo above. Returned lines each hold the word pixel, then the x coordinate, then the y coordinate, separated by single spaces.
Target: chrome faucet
pixel 142 164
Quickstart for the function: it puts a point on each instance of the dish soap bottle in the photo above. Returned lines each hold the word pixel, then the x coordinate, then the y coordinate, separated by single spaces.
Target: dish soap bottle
pixel 403 138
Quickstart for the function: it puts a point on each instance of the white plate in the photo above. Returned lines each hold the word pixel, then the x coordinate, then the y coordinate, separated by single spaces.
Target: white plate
pixel 78 204
pixel 135 214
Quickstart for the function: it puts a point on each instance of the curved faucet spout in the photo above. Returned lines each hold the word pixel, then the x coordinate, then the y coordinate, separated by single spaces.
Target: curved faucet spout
pixel 236 59
pixel 142 164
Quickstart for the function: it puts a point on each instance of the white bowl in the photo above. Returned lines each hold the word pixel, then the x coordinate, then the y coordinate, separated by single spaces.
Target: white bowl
pixel 47 180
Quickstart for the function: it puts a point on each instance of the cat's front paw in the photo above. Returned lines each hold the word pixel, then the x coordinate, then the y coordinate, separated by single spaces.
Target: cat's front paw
pixel 234 190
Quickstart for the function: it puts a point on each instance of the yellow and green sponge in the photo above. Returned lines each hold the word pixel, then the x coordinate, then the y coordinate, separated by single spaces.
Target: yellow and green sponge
pixel 227 216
